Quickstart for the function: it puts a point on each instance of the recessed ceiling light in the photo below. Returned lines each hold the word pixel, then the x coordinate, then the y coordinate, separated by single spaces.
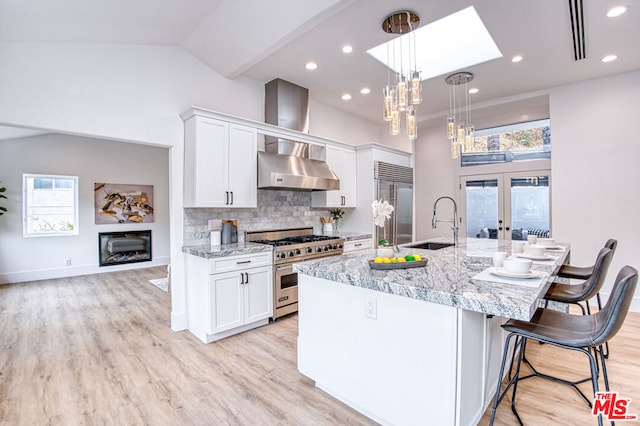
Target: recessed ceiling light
pixel 473 90
pixel 516 58
pixel 365 90
pixel 463 31
pixel 609 58
pixel 311 66
pixel 346 97
pixel 616 11
pixel 347 49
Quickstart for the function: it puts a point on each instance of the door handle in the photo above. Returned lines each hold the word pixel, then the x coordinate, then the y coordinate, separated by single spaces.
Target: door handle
pixel 227 197
pixel 246 279
pixel 231 198
pixel 241 278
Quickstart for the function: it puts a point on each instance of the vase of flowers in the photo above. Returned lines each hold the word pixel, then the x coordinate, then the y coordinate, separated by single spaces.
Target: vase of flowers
pixel 336 215
pixel 381 213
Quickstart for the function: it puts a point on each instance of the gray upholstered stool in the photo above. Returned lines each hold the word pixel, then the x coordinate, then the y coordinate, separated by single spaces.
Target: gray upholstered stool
pixel 576 293
pixel 582 333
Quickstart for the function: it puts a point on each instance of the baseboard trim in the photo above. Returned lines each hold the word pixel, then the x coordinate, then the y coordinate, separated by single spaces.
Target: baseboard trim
pixel 72 271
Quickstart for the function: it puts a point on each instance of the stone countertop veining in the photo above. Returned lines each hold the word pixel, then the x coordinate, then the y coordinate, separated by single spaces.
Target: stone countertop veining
pixel 208 251
pixel 446 280
pixel 352 236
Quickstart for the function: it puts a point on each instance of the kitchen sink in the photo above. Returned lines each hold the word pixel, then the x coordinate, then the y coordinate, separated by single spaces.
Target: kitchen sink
pixel 429 245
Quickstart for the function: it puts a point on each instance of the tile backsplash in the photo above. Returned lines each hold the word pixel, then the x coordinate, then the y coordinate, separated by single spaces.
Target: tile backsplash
pixel 276 210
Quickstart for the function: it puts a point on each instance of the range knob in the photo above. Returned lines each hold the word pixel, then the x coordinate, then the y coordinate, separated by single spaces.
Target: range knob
pixel 309 250
pixel 334 247
pixel 327 247
pixel 340 246
pixel 290 254
pixel 319 249
pixel 282 255
pixel 297 251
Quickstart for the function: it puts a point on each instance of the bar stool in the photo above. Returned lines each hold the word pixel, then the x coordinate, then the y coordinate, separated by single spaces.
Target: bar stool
pixel 584 272
pixel 581 333
pixel 576 293
pixel 590 287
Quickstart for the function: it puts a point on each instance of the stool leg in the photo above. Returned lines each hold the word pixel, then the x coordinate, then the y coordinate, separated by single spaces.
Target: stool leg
pixel 606 345
pixel 512 380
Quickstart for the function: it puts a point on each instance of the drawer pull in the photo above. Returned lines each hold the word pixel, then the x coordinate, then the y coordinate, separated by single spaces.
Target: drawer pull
pixel 357 245
pixel 243 262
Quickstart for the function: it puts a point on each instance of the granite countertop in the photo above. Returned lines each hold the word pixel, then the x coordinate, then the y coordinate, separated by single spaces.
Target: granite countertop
pixel 352 236
pixel 447 279
pixel 208 252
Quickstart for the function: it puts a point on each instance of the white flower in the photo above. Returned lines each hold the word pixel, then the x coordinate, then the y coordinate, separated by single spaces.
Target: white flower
pixel 381 211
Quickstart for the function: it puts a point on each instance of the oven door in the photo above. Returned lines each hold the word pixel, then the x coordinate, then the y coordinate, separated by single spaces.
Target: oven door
pixel 286 285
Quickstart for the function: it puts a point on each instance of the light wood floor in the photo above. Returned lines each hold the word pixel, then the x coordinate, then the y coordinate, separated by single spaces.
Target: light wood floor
pixel 98 349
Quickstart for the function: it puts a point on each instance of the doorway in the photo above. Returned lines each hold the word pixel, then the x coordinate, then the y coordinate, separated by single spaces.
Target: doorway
pixel 506 206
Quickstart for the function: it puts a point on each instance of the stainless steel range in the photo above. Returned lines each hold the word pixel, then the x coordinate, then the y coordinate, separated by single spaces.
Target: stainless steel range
pixel 291 246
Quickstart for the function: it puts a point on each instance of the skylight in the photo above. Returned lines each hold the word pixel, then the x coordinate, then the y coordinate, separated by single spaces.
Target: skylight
pixel 454 42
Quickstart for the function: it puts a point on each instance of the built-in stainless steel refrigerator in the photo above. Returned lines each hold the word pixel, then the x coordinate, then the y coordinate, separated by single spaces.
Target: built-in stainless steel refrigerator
pixel 395 184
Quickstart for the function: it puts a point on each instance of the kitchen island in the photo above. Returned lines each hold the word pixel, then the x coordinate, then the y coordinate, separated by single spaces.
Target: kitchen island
pixel 413 346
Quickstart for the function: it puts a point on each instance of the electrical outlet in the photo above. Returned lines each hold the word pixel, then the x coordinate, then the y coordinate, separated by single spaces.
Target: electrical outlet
pixel 68 262
pixel 371 307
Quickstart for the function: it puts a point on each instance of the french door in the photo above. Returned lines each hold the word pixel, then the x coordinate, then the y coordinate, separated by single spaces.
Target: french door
pixel 505 206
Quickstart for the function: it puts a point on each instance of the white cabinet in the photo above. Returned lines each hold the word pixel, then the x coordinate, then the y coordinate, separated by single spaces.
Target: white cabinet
pixel 343 162
pixel 355 245
pixel 220 164
pixel 228 295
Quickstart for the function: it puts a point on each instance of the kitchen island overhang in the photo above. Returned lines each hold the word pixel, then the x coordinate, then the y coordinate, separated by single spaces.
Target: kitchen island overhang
pixel 411 346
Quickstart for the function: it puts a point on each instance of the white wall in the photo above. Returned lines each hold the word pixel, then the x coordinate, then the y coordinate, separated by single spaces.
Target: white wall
pixel 337 125
pixel 434 177
pixel 132 93
pixel 595 192
pixel 92 160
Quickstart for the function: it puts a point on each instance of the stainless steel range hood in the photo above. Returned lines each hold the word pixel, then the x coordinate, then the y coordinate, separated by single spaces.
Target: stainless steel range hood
pixel 286 164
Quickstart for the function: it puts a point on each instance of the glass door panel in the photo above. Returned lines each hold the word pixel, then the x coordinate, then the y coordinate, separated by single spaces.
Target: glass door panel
pixel 528 204
pixel 481 206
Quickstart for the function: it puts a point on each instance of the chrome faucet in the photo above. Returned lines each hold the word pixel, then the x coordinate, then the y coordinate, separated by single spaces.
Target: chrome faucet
pixel 454 222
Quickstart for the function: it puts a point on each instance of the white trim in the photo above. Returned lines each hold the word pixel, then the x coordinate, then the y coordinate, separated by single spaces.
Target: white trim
pixel 72 271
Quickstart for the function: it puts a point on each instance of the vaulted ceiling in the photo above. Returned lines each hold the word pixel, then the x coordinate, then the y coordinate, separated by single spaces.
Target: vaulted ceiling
pixel 263 40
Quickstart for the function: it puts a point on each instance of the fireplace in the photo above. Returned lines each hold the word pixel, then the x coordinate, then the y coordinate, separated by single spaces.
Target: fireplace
pixel 116 248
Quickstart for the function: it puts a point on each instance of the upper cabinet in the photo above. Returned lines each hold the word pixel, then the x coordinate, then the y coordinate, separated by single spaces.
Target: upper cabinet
pixel 343 162
pixel 220 164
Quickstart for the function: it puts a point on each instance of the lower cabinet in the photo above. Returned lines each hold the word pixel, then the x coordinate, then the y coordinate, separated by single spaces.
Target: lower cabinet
pixel 239 298
pixel 355 245
pixel 229 295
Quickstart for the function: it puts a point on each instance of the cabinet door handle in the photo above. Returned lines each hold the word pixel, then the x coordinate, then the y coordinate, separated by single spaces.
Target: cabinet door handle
pixel 241 278
pixel 231 198
pixel 243 262
pixel 227 197
pixel 246 279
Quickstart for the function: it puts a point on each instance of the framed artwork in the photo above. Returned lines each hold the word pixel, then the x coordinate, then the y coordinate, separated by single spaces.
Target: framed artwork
pixel 121 203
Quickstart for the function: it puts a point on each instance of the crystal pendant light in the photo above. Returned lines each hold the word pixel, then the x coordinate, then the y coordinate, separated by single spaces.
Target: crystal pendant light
pixel 405 91
pixel 460 132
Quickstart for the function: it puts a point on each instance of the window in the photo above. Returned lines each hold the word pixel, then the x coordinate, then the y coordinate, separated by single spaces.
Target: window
pixel 515 142
pixel 50 205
